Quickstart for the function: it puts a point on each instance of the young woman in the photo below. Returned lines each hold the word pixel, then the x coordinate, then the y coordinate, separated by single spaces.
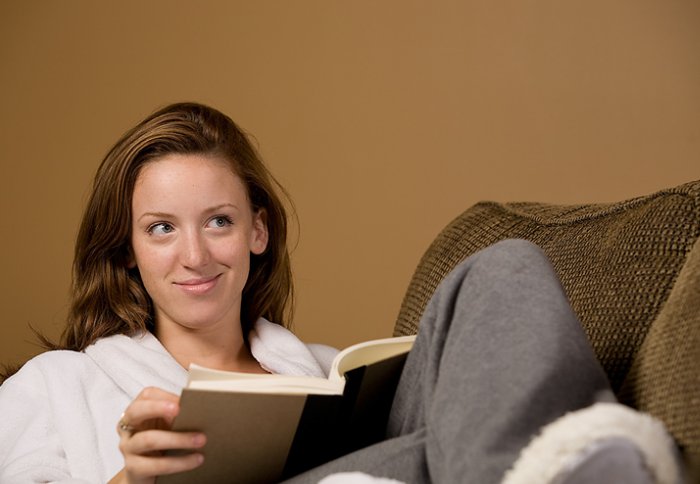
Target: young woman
pixel 182 258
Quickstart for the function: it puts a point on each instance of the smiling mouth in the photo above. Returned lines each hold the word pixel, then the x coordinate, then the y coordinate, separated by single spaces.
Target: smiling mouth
pixel 198 286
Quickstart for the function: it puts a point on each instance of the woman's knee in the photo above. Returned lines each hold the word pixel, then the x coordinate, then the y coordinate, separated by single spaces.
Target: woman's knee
pixel 501 262
pixel 512 253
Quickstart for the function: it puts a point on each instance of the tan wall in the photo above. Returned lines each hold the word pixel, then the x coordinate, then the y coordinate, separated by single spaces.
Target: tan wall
pixel 384 119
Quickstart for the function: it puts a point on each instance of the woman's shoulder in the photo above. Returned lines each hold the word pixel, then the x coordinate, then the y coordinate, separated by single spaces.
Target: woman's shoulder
pixel 48 364
pixel 324 354
pixel 56 359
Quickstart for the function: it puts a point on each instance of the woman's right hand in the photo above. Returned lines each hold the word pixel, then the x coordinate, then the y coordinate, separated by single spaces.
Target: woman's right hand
pixel 145 435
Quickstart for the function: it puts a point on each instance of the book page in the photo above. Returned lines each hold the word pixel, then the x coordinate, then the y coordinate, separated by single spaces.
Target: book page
pixel 354 356
pixel 369 352
pixel 202 378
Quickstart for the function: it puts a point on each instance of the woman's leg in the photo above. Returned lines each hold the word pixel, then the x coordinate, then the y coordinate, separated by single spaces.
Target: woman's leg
pixel 499 354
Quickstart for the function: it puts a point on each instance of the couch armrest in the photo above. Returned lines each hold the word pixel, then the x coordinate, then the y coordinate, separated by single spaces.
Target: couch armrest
pixel 664 379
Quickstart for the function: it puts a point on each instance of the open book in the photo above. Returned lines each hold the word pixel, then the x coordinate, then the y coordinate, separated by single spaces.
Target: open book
pixel 264 428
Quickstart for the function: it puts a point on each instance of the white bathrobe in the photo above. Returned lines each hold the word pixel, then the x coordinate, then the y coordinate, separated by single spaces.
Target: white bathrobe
pixel 59 412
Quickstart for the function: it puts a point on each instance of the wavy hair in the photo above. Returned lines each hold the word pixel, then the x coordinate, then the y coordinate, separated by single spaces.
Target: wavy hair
pixel 107 297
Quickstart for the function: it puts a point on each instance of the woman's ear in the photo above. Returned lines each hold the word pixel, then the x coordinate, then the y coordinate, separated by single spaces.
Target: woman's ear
pixel 260 234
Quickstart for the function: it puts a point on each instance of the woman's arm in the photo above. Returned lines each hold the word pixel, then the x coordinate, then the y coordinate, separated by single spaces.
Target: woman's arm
pixel 30 447
pixel 145 435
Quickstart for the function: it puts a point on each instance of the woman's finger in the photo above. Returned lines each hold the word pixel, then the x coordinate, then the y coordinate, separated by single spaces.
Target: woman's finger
pixel 155 393
pixel 142 410
pixel 151 441
pixel 152 408
pixel 157 466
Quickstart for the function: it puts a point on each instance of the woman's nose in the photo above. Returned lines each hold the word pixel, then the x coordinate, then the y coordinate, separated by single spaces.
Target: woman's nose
pixel 195 252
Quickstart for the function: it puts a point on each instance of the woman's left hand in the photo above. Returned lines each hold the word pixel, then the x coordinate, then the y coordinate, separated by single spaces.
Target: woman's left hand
pixel 145 435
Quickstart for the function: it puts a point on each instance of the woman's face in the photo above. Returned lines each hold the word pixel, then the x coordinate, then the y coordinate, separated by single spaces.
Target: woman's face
pixel 193 231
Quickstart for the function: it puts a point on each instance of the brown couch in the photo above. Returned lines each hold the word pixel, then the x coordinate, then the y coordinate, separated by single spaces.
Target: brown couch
pixel 632 273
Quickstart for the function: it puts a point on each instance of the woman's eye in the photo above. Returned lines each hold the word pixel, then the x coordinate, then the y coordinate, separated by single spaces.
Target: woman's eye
pixel 160 228
pixel 220 222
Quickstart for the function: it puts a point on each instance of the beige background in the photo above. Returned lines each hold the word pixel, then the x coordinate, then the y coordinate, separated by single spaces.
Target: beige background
pixel 384 119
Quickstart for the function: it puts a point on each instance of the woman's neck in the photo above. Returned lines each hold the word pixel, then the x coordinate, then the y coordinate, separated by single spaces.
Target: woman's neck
pixel 220 350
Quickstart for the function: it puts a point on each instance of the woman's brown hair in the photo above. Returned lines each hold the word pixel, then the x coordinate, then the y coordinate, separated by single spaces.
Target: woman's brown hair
pixel 107 297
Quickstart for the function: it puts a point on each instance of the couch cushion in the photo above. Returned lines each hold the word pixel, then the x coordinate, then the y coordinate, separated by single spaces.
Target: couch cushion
pixel 618 263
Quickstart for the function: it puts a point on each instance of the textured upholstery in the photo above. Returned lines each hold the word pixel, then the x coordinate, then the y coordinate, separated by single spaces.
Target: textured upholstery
pixel 632 273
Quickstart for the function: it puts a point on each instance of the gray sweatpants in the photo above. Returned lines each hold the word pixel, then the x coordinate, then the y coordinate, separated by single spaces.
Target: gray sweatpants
pixel 499 354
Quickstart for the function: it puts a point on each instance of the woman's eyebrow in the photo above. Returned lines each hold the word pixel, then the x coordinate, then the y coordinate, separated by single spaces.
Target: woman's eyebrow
pixel 155 215
pixel 216 208
pixel 213 209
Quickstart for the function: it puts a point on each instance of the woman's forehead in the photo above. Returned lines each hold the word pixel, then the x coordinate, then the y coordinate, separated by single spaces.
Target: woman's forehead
pixel 188 178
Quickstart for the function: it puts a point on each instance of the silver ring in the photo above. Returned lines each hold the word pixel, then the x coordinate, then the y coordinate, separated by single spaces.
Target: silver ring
pixel 124 426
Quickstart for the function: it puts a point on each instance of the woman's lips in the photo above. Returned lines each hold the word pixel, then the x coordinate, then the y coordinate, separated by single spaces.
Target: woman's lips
pixel 198 286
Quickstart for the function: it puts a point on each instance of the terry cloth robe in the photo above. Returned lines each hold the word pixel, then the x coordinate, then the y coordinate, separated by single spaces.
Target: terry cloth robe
pixel 60 411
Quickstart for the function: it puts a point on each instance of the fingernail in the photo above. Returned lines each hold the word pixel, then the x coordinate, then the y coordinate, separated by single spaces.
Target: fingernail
pixel 199 440
pixel 200 458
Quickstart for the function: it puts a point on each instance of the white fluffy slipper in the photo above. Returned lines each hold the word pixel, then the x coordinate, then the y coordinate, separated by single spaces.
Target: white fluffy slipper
pixel 568 444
